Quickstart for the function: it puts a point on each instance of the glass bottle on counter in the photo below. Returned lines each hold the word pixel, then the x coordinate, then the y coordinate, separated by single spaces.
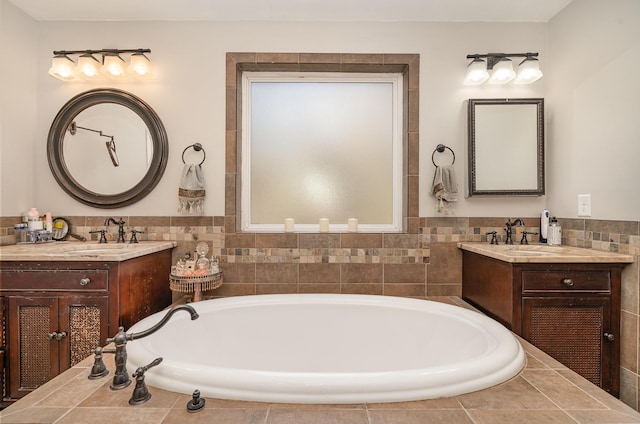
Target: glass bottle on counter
pixel 554 233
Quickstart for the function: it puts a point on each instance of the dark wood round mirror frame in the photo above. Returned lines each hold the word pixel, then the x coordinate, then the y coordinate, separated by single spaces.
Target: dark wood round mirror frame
pixel 66 116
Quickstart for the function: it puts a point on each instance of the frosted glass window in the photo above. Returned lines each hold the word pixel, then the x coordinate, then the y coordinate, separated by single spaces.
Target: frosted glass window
pixel 321 146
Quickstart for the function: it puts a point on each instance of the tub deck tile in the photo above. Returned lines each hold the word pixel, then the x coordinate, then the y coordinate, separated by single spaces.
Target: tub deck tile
pixel 516 394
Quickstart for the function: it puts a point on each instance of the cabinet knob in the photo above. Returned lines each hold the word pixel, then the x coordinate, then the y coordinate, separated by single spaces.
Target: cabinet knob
pixel 567 282
pixel 58 336
pixel 85 281
pixel 609 336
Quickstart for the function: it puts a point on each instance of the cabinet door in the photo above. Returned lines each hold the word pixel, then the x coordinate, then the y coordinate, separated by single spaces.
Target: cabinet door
pixel 84 321
pixel 33 355
pixel 571 330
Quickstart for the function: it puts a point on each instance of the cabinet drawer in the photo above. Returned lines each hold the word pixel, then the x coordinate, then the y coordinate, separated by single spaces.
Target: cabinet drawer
pixel 569 281
pixel 55 279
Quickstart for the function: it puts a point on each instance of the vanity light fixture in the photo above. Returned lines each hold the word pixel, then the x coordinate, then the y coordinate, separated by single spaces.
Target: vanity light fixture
pixel 89 68
pixel 498 68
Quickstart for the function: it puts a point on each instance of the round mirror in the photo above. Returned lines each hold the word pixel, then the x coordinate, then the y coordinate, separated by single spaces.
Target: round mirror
pixel 107 148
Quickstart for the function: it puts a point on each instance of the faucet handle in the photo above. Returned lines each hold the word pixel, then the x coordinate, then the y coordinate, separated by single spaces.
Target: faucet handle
pixel 134 239
pixel 524 237
pixel 99 369
pixel 103 235
pixel 494 237
pixel 140 392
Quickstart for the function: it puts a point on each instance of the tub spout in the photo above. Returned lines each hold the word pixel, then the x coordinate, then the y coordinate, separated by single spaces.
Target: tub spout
pixel 163 321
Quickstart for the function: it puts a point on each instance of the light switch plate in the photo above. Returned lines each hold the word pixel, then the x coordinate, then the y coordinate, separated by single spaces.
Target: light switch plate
pixel 584 205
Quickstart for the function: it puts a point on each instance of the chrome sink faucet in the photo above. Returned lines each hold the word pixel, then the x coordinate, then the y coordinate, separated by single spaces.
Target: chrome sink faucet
pixel 120 225
pixel 510 224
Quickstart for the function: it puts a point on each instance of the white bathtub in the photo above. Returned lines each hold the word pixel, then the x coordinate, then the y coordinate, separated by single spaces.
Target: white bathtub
pixel 316 348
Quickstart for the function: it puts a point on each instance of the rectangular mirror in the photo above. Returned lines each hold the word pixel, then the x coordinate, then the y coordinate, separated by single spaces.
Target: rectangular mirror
pixel 506 147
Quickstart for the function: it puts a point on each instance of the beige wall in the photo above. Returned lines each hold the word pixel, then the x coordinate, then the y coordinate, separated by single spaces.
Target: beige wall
pixel 593 126
pixel 18 109
pixel 189 92
pixel 589 87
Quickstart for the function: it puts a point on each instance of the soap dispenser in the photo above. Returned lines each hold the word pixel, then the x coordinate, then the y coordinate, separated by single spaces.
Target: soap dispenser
pixel 544 226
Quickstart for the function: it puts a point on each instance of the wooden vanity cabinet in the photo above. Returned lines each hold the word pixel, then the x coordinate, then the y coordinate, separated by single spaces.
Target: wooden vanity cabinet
pixel 571 311
pixel 55 313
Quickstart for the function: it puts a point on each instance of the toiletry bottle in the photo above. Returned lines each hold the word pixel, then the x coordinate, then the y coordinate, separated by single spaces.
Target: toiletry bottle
pixel 180 267
pixel 544 226
pixel 48 221
pixel 20 231
pixel 189 262
pixel 34 222
pixel 554 235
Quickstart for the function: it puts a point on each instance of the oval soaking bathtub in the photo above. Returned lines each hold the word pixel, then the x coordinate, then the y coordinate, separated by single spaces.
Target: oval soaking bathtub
pixel 317 348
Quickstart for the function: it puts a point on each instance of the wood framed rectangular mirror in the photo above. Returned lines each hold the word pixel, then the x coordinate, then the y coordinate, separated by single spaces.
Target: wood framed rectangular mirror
pixel 506 147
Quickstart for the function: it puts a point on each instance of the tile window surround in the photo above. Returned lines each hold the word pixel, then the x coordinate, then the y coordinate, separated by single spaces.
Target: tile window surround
pixel 413 265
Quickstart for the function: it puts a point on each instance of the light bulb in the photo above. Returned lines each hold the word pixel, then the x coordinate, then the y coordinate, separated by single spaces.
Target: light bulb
pixel 502 72
pixel 89 67
pixel 63 68
pixel 113 67
pixel 139 66
pixel 476 72
pixel 529 71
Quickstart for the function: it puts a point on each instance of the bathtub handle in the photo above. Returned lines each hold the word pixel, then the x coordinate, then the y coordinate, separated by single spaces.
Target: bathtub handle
pixel 140 392
pixel 567 282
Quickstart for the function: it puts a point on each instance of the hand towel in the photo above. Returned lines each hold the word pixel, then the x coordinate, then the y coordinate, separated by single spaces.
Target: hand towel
pixel 445 189
pixel 191 191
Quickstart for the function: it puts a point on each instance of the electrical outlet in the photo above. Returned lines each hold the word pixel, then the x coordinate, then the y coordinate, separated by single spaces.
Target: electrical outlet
pixel 584 205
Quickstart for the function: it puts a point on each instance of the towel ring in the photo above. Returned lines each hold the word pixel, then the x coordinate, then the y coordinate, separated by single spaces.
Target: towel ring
pixel 197 147
pixel 440 148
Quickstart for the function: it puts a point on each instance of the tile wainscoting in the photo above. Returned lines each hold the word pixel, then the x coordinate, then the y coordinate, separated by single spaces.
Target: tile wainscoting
pixel 413 265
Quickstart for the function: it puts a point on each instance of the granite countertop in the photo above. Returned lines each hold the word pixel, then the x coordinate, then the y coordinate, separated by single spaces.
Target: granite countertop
pixel 80 251
pixel 545 391
pixel 542 253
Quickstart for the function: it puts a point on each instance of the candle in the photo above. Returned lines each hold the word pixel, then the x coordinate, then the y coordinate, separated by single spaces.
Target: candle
pixel 289 225
pixel 352 225
pixel 324 225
